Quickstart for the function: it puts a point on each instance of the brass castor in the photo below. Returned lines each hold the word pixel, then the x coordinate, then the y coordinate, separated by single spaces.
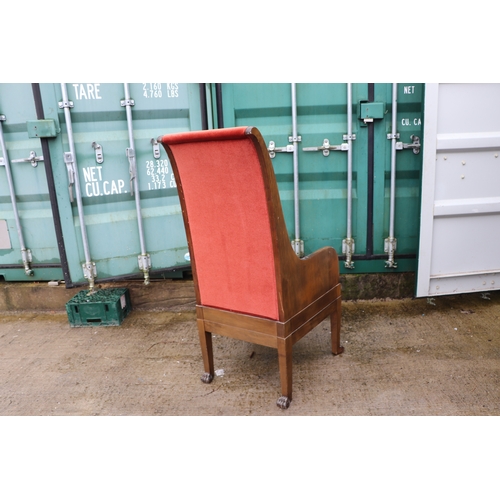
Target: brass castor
pixel 283 402
pixel 206 378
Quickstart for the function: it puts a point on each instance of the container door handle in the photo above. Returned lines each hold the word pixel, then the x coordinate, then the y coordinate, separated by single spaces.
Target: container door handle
pixel 326 147
pixel 99 157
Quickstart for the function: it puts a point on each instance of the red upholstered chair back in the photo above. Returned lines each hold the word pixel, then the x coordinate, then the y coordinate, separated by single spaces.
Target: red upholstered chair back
pixel 227 217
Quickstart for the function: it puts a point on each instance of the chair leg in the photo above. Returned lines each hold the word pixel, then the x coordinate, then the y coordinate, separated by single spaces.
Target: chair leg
pixel 285 366
pixel 207 352
pixel 335 318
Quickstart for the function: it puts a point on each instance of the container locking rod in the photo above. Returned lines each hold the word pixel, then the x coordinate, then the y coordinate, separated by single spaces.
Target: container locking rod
pixel 89 268
pixel 25 252
pixel 144 259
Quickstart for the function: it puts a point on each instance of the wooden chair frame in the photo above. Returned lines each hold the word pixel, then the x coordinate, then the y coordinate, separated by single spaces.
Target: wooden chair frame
pixel 308 288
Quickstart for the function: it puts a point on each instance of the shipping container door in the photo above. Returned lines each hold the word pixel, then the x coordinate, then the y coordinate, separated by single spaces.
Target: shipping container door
pixel 114 129
pixel 460 230
pixel 28 243
pixel 339 194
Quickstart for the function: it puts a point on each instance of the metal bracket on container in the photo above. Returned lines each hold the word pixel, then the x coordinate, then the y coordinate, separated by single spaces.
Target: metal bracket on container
pixel 89 273
pixel 348 249
pixel 33 159
pixel 144 262
pixel 65 104
pixel 273 149
pixel 145 266
pixel 132 169
pixel 390 245
pixel 298 247
pixel 27 259
pixel 290 148
pixel 156 148
pixel 89 270
pixel 415 145
pixel 99 158
pixel 127 102
pixel 327 147
pixel 68 159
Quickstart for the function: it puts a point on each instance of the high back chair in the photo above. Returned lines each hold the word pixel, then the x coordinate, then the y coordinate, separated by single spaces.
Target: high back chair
pixel 249 283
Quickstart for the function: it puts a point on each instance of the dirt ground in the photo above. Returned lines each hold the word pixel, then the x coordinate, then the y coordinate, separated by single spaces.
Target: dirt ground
pixel 402 357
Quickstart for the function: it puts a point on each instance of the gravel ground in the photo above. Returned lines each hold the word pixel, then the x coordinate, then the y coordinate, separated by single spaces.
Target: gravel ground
pixel 402 357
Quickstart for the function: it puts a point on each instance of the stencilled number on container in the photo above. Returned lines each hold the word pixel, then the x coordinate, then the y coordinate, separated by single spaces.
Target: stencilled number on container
pixel 172 90
pixel 157 171
pixel 152 90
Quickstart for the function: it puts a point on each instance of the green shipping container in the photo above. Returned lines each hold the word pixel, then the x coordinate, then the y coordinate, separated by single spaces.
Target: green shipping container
pixel 341 187
pixel 114 210
pixel 96 199
pixel 28 242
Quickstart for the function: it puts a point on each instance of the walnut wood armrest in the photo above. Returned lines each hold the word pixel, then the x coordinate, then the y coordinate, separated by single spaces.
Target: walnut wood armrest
pixel 308 278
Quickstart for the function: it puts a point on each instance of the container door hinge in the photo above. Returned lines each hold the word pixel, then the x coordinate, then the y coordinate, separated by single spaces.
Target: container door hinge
pixel 298 248
pixel 99 157
pixel 156 148
pixel 290 148
pixel 132 168
pixel 348 249
pixel 327 147
pixel 415 144
pixel 390 245
pixel 68 159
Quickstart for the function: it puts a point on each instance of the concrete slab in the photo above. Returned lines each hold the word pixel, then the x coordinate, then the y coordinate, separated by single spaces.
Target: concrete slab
pixel 165 294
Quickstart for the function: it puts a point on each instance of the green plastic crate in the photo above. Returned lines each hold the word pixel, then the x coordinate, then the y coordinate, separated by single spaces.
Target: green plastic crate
pixel 107 307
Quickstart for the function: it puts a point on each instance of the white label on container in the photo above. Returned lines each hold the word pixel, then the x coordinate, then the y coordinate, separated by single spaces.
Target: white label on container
pixel 406 122
pixel 123 301
pixel 159 174
pixel 87 91
pixel 95 186
pixel 152 90
pixel 172 90
pixel 157 90
pixel 4 235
